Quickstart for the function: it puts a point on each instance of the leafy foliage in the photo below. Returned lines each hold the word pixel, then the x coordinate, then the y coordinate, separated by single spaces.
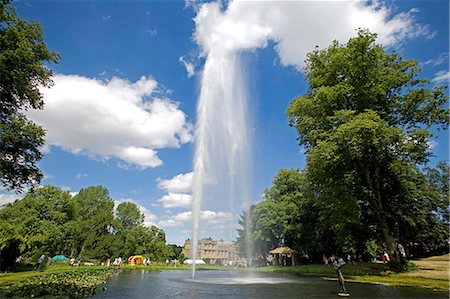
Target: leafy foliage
pixel 129 215
pixel 75 284
pixel 23 53
pixel 49 220
pixel 365 122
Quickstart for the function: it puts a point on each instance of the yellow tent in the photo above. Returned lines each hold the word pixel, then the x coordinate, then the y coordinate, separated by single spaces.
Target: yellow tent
pixel 137 259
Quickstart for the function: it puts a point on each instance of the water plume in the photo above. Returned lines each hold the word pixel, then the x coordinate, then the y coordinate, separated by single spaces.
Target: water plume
pixel 222 153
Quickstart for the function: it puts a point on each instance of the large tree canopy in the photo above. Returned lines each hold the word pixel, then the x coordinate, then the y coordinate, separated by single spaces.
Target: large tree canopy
pixel 23 53
pixel 365 123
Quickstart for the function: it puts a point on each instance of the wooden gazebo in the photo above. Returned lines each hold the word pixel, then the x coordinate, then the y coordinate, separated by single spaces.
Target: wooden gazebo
pixel 283 253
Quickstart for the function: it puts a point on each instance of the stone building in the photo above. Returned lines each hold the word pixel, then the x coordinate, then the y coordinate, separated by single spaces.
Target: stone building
pixel 216 252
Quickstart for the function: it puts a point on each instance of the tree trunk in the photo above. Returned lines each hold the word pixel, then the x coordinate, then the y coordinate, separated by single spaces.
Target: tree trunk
pixel 377 206
pixel 389 238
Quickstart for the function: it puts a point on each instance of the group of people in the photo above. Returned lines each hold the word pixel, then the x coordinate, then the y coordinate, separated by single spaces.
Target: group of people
pixel 175 261
pixel 117 262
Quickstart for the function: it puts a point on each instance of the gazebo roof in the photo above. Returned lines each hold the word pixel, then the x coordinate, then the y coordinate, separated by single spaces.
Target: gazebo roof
pixel 283 250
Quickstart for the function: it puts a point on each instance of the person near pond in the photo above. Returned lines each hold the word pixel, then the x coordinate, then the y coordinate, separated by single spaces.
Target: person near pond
pixel 39 263
pixel 401 249
pixel 338 263
pixel 325 259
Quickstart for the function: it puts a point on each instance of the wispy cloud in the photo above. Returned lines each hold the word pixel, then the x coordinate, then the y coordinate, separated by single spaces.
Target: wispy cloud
pixel 80 176
pixel 441 76
pixel 189 65
pixel 443 57
pixel 152 32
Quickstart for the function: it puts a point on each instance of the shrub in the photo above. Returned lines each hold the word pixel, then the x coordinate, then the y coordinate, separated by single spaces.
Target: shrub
pixel 402 266
pixel 75 284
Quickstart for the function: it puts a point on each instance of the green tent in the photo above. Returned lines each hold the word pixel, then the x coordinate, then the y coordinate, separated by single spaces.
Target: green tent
pixel 57 258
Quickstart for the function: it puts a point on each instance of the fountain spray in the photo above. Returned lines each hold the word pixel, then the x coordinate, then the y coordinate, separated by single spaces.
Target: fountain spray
pixel 223 141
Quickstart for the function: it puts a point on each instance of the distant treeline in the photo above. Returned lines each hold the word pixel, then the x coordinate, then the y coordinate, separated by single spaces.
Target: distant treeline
pixel 51 221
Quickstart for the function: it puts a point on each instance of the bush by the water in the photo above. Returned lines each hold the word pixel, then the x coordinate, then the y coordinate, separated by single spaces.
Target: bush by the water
pixel 73 284
pixel 402 266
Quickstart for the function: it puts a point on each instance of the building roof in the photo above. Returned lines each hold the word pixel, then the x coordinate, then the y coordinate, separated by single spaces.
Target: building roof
pixel 283 250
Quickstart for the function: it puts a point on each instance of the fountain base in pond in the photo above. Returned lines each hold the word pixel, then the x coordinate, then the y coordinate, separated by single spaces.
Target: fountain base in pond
pixel 343 295
pixel 243 280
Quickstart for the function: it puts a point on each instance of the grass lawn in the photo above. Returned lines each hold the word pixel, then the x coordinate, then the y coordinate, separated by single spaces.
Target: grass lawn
pixel 432 272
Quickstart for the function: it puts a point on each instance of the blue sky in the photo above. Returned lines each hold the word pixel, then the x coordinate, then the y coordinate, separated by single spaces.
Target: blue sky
pixel 123 109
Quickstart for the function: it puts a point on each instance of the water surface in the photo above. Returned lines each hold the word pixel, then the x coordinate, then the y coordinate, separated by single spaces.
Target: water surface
pixel 234 284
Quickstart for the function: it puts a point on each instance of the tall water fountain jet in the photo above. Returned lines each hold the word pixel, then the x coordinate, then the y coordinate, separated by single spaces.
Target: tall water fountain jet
pixel 223 140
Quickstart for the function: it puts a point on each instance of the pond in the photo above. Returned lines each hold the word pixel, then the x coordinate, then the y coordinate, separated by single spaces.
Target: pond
pixel 236 284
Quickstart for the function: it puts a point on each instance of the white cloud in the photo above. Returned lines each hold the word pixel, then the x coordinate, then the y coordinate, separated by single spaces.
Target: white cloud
pixel 169 223
pixel 149 218
pixel 115 118
pixel 174 200
pixel 298 26
pixel 6 198
pixel 218 220
pixel 178 189
pixel 181 183
pixel 441 76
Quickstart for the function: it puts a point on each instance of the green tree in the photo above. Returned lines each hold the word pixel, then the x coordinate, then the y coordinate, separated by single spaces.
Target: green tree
pixel 365 124
pixel 94 229
pixel 438 180
pixel 23 53
pixel 277 218
pixel 129 215
pixel 35 223
pixel 92 200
